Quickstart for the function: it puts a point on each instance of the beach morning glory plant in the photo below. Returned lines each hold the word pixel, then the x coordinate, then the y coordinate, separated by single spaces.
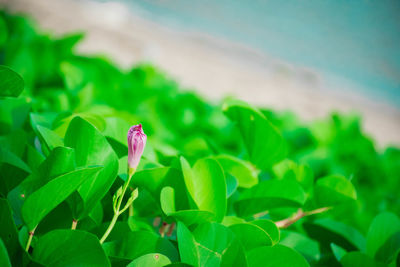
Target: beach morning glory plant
pixel 136 143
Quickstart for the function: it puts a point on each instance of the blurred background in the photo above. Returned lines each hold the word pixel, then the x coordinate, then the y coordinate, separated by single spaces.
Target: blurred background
pixel 310 57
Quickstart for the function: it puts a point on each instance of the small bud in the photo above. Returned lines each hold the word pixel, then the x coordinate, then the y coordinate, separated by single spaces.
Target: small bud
pixel 136 143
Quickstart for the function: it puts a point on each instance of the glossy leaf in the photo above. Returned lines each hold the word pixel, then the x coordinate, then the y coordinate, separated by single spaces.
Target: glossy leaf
pixel 333 190
pixel 210 244
pixel 150 260
pixel 288 169
pixel 50 138
pixel 301 243
pixel 60 161
pixel 206 185
pixel 135 244
pixel 188 217
pixel 69 248
pixel 381 229
pixel 46 198
pixel 91 148
pixel 244 173
pixel 256 233
pixel 263 141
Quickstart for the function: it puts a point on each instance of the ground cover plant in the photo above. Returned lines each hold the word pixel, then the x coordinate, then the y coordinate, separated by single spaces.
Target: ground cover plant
pixel 216 185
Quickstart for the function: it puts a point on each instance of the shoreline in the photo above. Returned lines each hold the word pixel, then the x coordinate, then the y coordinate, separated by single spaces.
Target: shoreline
pixel 211 66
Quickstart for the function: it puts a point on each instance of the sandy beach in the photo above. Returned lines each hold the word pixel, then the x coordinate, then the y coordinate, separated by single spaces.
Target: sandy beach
pixel 213 67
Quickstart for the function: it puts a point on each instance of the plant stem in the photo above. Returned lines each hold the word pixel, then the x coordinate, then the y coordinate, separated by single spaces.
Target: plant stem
pixel 117 210
pixel 298 215
pixel 110 227
pixel 131 210
pixel 74 224
pixel 28 244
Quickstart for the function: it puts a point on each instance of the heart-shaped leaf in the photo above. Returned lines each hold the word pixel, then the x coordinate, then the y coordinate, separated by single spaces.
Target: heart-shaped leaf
pixel 188 217
pixel 256 234
pixel 244 173
pixel 210 244
pixel 69 248
pixel 206 185
pixel 263 141
pixel 91 148
pixel 381 229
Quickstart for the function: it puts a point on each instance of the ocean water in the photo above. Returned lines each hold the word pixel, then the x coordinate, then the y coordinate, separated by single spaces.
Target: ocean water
pixel 357 41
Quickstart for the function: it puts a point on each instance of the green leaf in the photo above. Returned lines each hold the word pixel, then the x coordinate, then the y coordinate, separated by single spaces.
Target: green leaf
pixel 8 233
pixel 206 185
pixel 11 83
pixel 301 243
pixel 150 260
pixel 389 250
pixel 333 190
pixel 381 229
pixel 188 217
pixel 46 198
pixel 231 185
pixel 338 252
pixel 263 141
pixel 13 170
pixel 91 148
pixel 288 169
pixel 270 194
pixel 13 113
pixel 211 244
pixel 60 161
pixel 329 231
pixel 256 233
pixel 139 243
pixel 50 138
pixel 244 173
pixel 357 259
pixel 151 179
pixel 69 248
pixel 4 259
pixel 276 256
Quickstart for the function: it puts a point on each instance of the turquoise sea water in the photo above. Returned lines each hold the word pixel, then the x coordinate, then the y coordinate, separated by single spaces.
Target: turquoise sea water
pixel 355 40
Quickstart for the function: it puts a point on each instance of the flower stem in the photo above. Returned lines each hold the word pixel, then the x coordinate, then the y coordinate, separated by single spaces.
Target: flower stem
pixel 28 244
pixel 117 211
pixel 130 210
pixel 110 227
pixel 74 224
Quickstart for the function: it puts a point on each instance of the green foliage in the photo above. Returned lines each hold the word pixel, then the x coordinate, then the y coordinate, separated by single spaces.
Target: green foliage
pixel 69 248
pixel 11 84
pixel 216 185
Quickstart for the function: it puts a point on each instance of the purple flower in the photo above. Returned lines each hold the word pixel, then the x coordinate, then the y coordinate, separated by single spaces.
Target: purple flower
pixel 136 142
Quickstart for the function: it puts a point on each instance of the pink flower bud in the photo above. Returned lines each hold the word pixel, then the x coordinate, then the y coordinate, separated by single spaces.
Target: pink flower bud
pixel 136 142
